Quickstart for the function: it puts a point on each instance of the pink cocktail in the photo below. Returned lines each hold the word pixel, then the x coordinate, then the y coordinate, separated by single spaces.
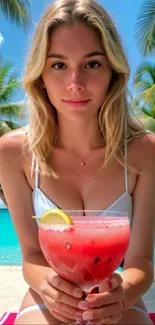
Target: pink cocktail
pixel 89 251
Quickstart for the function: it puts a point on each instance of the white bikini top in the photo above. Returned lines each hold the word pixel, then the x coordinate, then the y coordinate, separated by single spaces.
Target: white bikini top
pixel 41 202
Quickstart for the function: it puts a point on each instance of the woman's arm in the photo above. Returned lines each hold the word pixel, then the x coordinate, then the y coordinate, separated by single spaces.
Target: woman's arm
pixel 61 297
pixel 35 269
pixel 138 273
pixel 2 197
pixel 18 194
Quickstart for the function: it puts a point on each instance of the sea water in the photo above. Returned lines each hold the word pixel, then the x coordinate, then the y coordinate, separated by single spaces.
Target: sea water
pixel 10 252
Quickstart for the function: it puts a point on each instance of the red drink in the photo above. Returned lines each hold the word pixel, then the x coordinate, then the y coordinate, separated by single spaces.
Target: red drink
pixel 88 251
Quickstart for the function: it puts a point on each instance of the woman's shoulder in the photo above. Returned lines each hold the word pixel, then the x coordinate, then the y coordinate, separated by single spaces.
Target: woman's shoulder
pixel 11 143
pixel 142 149
pixel 144 141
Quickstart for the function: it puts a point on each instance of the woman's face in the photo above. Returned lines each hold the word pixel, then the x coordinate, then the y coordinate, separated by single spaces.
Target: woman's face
pixel 76 74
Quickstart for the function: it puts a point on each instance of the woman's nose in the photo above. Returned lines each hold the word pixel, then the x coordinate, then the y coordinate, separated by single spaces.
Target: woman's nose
pixel 75 87
pixel 76 82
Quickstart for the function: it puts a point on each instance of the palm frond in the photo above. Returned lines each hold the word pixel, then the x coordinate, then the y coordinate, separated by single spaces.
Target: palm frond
pixel 149 123
pixel 4 72
pixel 152 112
pixel 148 95
pixel 142 85
pixel 146 112
pixel 9 90
pixel 12 125
pixel 145 28
pixel 12 110
pixel 18 11
pixel 4 128
pixel 146 69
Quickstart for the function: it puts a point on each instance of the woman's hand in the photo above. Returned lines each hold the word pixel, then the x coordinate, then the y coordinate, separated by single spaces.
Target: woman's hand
pixel 106 307
pixel 63 300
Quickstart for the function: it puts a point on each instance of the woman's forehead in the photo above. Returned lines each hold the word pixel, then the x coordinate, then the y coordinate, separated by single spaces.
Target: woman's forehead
pixel 77 36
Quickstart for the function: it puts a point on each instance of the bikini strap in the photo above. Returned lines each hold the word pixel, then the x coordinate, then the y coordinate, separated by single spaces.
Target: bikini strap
pixel 126 158
pixel 35 170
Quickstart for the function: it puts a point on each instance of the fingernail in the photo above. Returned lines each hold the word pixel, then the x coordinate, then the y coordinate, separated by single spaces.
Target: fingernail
pixel 87 315
pixel 78 316
pixel 77 293
pixel 91 298
pixel 112 283
pixel 83 305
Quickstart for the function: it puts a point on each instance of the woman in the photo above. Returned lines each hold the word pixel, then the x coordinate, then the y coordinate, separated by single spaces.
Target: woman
pixel 81 136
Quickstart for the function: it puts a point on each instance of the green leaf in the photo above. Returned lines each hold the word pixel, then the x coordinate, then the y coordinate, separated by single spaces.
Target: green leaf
pixel 12 110
pixel 8 91
pixel 144 84
pixel 5 70
pixel 18 11
pixel 4 128
pixel 145 28
pixel 145 72
pixel 149 124
pixel 12 125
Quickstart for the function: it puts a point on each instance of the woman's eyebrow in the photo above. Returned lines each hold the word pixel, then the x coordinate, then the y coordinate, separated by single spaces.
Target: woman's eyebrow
pixel 88 55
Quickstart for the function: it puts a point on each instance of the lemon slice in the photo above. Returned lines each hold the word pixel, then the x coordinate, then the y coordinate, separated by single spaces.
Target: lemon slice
pixel 55 217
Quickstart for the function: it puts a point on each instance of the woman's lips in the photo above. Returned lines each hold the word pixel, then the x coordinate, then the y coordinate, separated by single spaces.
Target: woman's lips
pixel 79 103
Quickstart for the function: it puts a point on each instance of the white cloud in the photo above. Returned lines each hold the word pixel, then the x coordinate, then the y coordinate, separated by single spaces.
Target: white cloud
pixel 1 39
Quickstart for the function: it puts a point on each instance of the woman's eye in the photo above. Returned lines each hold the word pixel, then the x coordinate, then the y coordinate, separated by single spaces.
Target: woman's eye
pixel 93 64
pixel 58 66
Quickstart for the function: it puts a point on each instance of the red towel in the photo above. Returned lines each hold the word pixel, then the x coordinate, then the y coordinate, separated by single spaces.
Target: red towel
pixel 9 318
pixel 152 316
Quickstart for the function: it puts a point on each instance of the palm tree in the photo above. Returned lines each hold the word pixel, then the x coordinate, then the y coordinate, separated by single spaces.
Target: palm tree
pixel 8 111
pixel 144 82
pixel 144 102
pixel 145 28
pixel 17 11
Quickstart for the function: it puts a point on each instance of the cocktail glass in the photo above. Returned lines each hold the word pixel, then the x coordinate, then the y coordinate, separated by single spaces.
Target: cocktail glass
pixel 89 251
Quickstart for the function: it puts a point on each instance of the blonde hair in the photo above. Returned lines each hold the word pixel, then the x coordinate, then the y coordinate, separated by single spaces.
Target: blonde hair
pixel 114 113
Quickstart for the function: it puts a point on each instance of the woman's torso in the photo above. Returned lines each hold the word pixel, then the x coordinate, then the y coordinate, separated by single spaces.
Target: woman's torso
pixel 83 187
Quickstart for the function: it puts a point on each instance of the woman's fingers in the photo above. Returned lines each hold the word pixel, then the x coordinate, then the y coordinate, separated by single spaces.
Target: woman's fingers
pixel 62 318
pixel 61 308
pixel 106 298
pixel 109 320
pixel 64 286
pixel 59 296
pixel 112 319
pixel 103 312
pixel 110 284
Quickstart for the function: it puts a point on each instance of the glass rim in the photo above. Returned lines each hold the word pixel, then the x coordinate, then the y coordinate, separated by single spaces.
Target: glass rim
pixel 109 212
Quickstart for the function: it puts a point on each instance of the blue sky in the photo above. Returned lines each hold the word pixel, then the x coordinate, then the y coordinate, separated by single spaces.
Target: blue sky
pixel 16 42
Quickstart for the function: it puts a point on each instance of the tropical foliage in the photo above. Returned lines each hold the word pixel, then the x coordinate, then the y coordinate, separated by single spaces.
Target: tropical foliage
pixel 18 11
pixel 145 28
pixel 144 101
pixel 8 87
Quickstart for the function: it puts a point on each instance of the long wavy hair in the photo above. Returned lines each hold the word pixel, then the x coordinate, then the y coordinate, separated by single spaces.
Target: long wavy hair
pixel 115 118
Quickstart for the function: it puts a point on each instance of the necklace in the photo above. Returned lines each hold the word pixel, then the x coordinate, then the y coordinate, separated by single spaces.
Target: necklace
pixel 82 162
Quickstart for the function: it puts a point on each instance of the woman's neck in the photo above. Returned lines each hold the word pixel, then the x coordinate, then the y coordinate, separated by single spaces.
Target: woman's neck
pixel 80 138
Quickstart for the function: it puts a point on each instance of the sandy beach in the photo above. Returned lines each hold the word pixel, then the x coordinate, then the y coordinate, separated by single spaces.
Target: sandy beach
pixel 13 288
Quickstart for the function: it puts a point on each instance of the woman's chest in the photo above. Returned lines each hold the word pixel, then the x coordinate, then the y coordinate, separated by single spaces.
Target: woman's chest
pixel 85 187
